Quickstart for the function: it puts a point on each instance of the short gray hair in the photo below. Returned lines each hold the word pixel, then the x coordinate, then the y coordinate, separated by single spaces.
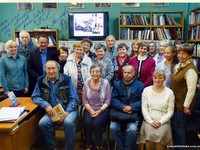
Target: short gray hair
pixel 57 64
pixel 24 32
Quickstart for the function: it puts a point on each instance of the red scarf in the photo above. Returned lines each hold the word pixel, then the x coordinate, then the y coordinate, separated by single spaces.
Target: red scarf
pixel 120 66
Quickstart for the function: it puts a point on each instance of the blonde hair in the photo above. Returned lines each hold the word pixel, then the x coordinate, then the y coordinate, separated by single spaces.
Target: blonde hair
pixel 159 72
pixel 10 43
pixel 78 45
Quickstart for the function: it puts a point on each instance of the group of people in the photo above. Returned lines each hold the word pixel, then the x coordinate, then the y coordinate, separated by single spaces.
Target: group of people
pixel 156 88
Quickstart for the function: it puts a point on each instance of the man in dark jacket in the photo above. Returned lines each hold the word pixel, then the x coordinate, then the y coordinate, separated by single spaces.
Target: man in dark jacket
pixel 50 90
pixel 126 98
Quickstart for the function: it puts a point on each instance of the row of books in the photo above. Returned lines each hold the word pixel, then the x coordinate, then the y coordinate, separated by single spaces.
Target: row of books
pixel 133 20
pixel 194 33
pixel 197 49
pixel 166 34
pixel 128 34
pixel 194 17
pixel 165 19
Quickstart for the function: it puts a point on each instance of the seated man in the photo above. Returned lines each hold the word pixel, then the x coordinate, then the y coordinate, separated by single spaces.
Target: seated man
pixel 126 97
pixel 51 89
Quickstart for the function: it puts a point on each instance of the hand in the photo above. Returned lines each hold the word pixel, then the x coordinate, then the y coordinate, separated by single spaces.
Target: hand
pixel 62 118
pixel 98 112
pixel 127 109
pixel 92 113
pixel 187 111
pixel 155 124
pixel 6 93
pixel 49 111
pixel 25 90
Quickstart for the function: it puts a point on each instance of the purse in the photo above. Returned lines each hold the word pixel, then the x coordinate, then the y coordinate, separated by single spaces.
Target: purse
pixel 121 117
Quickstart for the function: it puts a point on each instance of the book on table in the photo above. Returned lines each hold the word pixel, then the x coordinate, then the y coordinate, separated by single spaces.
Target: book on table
pixel 11 114
pixel 58 112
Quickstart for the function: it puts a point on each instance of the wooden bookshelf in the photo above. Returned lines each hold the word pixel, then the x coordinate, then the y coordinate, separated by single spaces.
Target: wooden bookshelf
pixel 150 25
pixel 34 34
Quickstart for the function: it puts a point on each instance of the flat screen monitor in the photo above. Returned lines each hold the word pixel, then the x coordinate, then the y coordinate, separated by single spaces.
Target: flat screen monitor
pixel 92 25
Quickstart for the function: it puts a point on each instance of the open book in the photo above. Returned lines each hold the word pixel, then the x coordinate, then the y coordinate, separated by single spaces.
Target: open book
pixel 58 112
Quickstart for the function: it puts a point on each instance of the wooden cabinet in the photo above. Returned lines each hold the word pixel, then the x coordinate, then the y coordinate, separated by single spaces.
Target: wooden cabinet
pixel 52 35
pixel 168 25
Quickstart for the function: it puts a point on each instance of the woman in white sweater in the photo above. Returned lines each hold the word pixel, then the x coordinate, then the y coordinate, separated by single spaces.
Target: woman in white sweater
pixel 157 109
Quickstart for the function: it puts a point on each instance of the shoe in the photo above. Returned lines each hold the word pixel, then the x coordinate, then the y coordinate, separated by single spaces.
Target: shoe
pixel 88 147
pixel 99 147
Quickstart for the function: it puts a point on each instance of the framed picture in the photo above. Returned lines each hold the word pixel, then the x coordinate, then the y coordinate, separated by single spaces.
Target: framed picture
pixel 130 4
pixel 52 6
pixel 103 5
pixel 159 4
pixel 24 6
pixel 76 5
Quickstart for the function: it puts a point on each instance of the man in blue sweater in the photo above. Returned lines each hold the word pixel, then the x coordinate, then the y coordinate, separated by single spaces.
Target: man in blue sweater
pixel 51 89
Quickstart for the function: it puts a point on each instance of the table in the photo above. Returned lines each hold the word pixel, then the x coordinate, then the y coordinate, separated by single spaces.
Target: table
pixel 21 134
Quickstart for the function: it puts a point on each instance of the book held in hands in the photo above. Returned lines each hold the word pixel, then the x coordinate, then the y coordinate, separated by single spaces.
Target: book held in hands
pixel 58 112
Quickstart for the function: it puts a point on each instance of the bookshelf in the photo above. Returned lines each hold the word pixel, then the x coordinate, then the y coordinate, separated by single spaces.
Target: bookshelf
pixel 34 34
pixel 150 25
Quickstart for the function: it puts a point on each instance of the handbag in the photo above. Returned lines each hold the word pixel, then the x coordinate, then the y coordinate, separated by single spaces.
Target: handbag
pixel 121 117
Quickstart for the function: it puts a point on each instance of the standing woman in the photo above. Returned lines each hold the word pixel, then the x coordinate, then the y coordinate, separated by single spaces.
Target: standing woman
pixel 122 59
pixel 62 56
pixel 78 67
pixel 13 66
pixel 106 62
pixel 96 99
pixel 184 81
pixel 157 109
pixel 168 65
pixel 135 46
pixel 144 65
pixel 159 57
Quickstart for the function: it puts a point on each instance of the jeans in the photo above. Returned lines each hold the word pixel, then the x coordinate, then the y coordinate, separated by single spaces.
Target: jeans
pixel 46 124
pixel 178 128
pixel 96 126
pixel 131 131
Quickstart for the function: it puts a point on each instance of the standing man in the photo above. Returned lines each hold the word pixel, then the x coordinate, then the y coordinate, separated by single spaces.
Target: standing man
pixel 52 89
pixel 152 49
pixel 87 44
pixel 37 60
pixel 126 98
pixel 25 44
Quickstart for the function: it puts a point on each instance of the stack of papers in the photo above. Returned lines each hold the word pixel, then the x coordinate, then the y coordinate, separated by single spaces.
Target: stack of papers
pixel 11 114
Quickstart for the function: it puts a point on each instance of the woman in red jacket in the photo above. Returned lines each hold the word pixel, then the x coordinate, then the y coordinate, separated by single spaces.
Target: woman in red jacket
pixel 144 65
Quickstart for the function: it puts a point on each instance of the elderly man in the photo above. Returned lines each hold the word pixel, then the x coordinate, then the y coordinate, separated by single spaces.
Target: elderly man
pixel 25 44
pixel 51 89
pixel 152 49
pixel 126 98
pixel 37 59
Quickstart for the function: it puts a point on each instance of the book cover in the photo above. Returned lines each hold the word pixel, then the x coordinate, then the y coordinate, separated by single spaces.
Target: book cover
pixel 58 112
pixel 13 98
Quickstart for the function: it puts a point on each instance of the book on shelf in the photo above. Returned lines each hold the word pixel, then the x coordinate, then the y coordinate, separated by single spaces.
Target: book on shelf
pixel 58 112
pixel 130 34
pixel 133 20
pixel 164 19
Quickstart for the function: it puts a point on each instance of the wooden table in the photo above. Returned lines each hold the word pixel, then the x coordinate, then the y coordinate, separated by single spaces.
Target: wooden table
pixel 21 134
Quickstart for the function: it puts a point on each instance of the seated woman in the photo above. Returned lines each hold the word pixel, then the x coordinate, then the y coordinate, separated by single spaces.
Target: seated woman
pixel 122 59
pixel 13 66
pixel 107 66
pixel 62 55
pixel 144 65
pixel 96 99
pixel 157 109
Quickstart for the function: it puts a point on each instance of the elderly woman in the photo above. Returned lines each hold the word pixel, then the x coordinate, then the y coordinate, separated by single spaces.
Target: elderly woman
pixel 168 65
pixel 96 99
pixel 107 66
pixel 184 81
pixel 78 67
pixel 122 59
pixel 135 44
pixel 144 65
pixel 157 109
pixel 62 55
pixel 159 57
pixel 13 66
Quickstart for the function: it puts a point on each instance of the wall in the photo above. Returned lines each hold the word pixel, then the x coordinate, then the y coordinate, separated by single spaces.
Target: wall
pixel 11 18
